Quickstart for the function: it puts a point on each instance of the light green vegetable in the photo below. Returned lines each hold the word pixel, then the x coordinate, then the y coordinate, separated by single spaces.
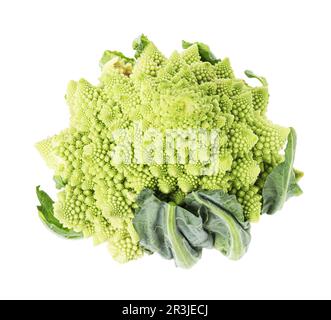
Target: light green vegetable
pixel 100 171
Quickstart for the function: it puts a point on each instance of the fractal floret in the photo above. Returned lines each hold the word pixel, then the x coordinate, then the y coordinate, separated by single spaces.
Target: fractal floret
pixel 178 144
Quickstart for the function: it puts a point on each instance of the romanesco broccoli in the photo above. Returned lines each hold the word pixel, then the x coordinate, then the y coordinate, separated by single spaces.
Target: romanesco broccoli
pixel 104 171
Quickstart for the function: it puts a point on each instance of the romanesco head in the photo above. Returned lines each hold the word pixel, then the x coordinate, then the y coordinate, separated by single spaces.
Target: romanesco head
pixel 183 92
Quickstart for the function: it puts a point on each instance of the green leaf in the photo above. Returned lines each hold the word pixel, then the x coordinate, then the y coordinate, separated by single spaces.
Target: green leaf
pixel 294 189
pixel 223 217
pixel 139 45
pixel 251 74
pixel 204 51
pixel 282 182
pixel 108 55
pixel 59 182
pixel 170 230
pixel 46 214
pixel 204 220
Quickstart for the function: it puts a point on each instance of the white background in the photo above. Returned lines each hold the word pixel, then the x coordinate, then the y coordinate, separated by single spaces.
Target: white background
pixel 44 44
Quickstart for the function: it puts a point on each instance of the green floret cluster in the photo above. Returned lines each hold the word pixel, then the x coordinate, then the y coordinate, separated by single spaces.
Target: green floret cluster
pixel 185 91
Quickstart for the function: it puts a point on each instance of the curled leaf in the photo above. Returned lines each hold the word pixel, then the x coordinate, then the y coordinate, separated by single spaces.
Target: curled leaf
pixel 139 45
pixel 224 218
pixel 46 214
pixel 204 220
pixel 170 230
pixel 108 55
pixel 251 74
pixel 204 51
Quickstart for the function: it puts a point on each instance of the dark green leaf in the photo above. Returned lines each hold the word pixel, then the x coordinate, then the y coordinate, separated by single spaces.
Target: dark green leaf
pixel 281 183
pixel 170 230
pixel 108 55
pixel 204 51
pixel 46 213
pixel 205 220
pixel 139 45
pixel 223 217
pixel 59 182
